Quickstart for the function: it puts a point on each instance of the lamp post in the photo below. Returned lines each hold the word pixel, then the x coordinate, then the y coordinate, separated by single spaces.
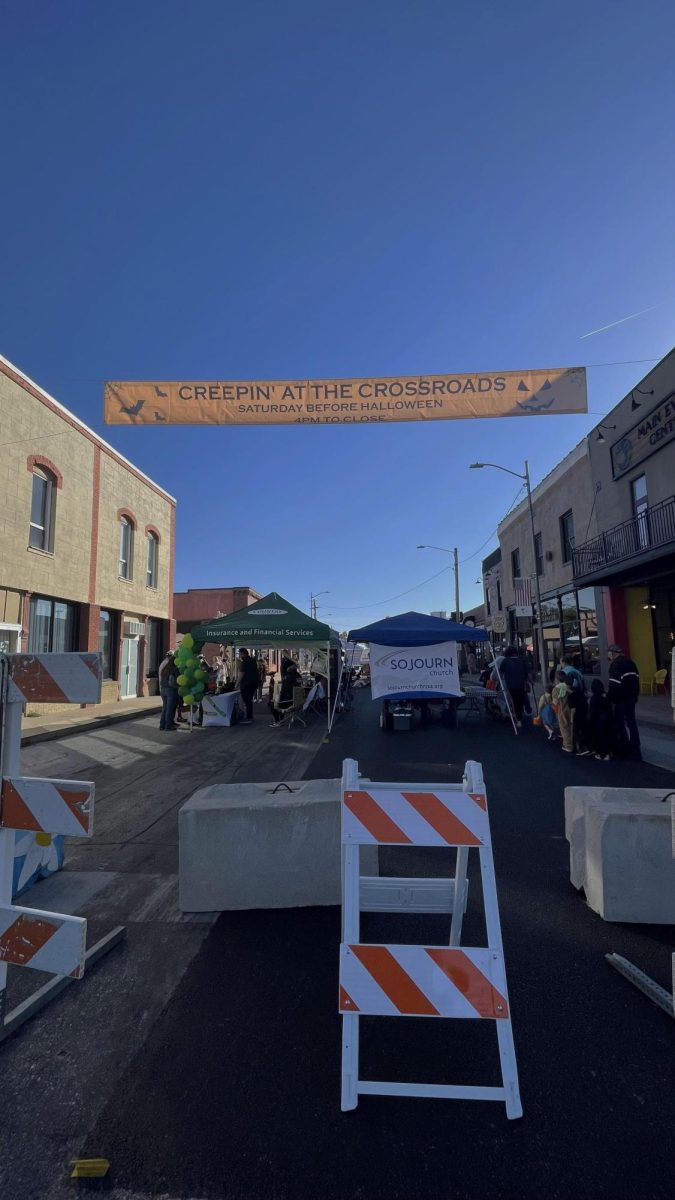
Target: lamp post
pixel 456 568
pixel 540 623
pixel 312 601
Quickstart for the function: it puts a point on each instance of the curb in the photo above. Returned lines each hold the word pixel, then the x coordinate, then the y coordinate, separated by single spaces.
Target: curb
pixel 52 735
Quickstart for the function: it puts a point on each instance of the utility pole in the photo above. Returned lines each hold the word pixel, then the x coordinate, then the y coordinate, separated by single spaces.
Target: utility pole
pixel 540 622
pixel 454 555
pixel 313 607
pixel 541 645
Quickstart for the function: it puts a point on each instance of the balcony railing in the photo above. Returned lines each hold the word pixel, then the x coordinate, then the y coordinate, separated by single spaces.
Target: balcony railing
pixel 653 526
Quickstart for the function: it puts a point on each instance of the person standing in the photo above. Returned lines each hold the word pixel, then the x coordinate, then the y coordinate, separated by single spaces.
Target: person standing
pixel 624 689
pixel 168 690
pixel 247 682
pixel 578 705
pixel 514 674
pixel 600 724
pixel 562 710
pixel 262 676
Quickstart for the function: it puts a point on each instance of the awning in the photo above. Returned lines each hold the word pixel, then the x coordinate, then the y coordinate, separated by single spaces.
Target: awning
pixel 416 629
pixel 271 621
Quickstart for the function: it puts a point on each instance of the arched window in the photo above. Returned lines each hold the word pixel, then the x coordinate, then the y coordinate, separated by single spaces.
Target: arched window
pixel 42 510
pixel 152 543
pixel 126 565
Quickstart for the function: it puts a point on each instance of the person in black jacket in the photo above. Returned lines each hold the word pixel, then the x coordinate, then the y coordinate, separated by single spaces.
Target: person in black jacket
pixel 247 682
pixel 514 674
pixel 624 689
pixel 600 728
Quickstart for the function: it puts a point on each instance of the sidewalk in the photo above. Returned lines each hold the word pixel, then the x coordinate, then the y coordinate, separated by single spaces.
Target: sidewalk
pixel 47 726
pixel 655 721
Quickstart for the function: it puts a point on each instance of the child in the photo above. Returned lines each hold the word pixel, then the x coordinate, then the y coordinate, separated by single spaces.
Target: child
pixel 600 727
pixel 563 712
pixel 546 713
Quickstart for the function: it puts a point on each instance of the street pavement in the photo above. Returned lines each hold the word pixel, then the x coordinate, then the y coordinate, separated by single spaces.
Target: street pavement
pixel 234 1092
pixel 59 1070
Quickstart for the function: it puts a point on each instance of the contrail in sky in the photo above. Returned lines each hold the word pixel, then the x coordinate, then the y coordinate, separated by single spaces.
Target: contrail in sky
pixel 621 322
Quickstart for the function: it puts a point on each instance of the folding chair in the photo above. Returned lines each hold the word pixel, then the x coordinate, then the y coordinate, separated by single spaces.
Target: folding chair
pixel 294 709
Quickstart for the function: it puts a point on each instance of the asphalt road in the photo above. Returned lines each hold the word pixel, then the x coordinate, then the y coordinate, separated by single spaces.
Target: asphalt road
pixel 234 1094
pixel 60 1069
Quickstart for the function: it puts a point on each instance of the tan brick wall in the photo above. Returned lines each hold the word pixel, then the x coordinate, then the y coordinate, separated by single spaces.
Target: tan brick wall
pixel 32 428
pixel 10 606
pixel 120 489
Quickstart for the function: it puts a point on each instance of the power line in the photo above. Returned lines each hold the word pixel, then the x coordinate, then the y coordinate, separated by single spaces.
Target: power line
pixel 377 603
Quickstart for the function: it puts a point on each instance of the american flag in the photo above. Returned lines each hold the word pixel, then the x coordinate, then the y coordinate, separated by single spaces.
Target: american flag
pixel 522 589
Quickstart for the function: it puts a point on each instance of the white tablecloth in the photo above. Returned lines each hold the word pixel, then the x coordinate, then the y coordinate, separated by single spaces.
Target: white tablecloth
pixel 218 709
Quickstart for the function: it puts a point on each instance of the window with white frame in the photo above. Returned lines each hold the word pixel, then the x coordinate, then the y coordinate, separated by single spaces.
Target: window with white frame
pixel 126 564
pixel 152 560
pixel 42 510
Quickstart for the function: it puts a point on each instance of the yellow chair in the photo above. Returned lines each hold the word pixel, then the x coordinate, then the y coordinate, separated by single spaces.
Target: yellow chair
pixel 659 681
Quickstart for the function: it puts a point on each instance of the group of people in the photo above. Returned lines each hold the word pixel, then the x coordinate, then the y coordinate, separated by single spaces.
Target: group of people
pixel 603 724
pixel 253 680
pixel 173 707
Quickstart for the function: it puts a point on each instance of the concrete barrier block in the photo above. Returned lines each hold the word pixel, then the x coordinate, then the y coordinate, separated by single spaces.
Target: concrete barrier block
pixel 248 845
pixel 620 852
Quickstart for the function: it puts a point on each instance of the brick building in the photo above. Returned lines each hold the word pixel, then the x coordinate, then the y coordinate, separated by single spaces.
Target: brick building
pixel 86 543
pixel 195 605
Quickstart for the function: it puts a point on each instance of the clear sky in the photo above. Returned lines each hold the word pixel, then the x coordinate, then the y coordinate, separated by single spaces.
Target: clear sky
pixel 304 189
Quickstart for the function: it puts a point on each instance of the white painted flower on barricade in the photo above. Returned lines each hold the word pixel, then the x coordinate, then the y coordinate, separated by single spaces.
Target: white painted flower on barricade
pixel 35 856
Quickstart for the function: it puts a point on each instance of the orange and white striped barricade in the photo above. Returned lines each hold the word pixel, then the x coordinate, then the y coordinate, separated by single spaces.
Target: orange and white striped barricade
pixel 30 938
pixel 420 981
pixel 54 678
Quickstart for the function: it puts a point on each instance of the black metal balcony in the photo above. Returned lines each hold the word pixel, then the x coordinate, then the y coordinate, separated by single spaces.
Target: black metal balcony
pixel 652 527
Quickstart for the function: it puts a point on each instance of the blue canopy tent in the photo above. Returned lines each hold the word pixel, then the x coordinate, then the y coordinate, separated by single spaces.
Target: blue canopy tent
pixel 415 629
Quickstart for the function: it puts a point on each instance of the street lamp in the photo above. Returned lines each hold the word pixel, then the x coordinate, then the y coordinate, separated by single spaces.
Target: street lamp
pixel 312 601
pixel 540 623
pixel 456 564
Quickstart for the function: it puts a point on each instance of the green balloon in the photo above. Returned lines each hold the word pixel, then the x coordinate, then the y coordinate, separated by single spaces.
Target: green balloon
pixel 191 662
pixel 183 691
pixel 189 699
pixel 182 679
pixel 200 674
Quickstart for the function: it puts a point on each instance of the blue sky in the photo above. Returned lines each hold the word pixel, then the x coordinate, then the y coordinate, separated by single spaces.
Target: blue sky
pixel 308 189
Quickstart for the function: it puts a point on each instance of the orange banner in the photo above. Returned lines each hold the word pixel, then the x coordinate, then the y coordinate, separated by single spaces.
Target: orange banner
pixel 347 401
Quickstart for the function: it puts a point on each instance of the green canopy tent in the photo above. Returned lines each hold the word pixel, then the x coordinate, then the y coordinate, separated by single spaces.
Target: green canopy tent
pixel 272 622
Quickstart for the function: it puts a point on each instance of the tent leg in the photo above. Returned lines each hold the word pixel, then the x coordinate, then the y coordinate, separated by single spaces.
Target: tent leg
pixel 329 715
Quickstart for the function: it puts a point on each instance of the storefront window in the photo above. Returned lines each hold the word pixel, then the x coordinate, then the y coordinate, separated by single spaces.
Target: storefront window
pixel 107 643
pixel 63 627
pixel 152 630
pixel 570 628
pixel 53 626
pixel 40 625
